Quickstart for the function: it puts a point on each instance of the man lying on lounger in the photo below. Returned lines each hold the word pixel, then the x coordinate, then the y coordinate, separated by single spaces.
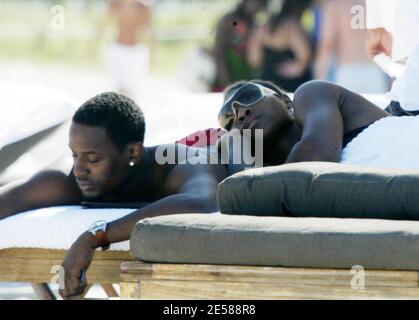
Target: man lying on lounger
pixel 112 165
pixel 324 122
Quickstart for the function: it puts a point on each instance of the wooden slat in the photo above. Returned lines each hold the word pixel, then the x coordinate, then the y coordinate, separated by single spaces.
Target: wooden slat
pixel 34 253
pixel 154 289
pixel 137 271
pixel 110 291
pixel 43 292
pixel 36 265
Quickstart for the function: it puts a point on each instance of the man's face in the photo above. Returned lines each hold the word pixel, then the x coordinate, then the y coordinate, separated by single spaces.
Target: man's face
pixel 98 166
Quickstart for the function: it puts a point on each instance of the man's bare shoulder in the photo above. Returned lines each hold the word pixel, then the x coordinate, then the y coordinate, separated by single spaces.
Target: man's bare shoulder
pixel 199 179
pixel 185 165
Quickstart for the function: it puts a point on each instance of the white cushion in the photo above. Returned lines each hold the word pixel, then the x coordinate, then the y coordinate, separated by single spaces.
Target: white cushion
pixel 55 227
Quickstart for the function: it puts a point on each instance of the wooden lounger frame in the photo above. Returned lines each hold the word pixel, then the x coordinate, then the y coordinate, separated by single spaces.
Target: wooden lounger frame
pixel 180 281
pixel 36 266
pixel 139 280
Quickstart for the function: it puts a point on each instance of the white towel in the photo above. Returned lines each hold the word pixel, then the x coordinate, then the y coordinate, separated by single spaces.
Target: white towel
pixel 391 142
pixel 55 227
pixel 27 110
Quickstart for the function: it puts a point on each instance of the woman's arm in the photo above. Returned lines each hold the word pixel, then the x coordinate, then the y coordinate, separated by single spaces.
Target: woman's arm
pixel 317 110
pixel 324 111
pixel 196 193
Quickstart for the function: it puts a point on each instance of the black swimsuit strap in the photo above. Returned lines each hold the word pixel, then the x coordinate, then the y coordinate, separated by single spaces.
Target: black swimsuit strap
pixel 348 137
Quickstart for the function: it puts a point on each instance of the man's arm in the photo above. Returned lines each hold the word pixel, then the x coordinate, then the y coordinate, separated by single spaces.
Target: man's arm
pixel 45 189
pixel 196 194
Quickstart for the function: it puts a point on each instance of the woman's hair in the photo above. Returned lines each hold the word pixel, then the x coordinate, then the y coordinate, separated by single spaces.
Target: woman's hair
pixel 289 9
pixel 281 93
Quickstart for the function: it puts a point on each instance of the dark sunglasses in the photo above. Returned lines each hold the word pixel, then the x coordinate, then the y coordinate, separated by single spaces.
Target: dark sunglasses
pixel 246 96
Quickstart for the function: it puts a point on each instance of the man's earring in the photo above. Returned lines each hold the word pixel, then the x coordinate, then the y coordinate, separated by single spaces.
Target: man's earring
pixel 131 164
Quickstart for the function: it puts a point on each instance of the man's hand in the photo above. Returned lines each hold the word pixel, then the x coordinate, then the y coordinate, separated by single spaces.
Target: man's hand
pixel 75 265
pixel 379 41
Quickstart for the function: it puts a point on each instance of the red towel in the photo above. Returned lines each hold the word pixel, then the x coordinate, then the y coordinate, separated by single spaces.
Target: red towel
pixel 202 138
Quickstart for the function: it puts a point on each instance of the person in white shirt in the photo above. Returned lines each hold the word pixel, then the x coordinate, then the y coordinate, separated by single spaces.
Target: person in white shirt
pixel 394 30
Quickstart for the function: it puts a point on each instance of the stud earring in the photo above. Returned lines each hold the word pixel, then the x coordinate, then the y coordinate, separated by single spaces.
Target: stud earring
pixel 131 164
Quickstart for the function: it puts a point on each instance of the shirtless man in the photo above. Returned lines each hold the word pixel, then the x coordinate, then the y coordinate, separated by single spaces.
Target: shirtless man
pixel 128 55
pixel 112 165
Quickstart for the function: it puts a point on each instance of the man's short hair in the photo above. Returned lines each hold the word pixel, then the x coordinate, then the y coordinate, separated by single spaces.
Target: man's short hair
pixel 120 116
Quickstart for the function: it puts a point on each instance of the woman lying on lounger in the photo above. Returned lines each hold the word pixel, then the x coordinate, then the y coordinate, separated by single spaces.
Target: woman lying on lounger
pixel 324 122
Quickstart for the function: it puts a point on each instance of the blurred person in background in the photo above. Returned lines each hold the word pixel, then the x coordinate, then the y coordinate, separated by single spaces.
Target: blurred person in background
pixel 344 44
pixel 232 41
pixel 394 31
pixel 128 55
pixel 281 49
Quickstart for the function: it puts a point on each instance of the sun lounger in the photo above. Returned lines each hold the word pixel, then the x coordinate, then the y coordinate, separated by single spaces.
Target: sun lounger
pixel 33 246
pixel 219 282
pixel 40 267
pixel 33 129
pixel 244 257
pixel 258 249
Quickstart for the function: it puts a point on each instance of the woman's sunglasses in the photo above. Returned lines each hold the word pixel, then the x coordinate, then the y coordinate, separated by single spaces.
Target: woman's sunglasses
pixel 246 96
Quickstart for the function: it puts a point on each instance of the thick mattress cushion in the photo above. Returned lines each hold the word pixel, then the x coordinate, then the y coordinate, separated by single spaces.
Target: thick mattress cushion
pixel 277 241
pixel 318 189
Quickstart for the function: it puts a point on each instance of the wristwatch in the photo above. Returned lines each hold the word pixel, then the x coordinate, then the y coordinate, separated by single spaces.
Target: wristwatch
pixel 98 229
